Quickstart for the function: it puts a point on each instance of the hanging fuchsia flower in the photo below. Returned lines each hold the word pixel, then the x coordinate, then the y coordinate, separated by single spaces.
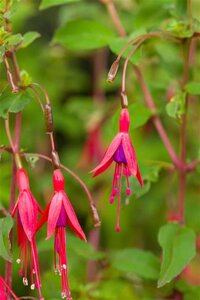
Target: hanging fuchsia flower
pixel 3 293
pixel 120 151
pixel 27 217
pixel 58 214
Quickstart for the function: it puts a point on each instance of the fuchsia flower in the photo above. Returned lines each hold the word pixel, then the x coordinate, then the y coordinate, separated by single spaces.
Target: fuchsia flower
pixel 58 214
pixel 27 217
pixel 120 151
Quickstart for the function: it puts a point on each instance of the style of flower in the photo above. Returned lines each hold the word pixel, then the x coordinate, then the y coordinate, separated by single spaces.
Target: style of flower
pixel 3 293
pixel 58 214
pixel 120 151
pixel 27 217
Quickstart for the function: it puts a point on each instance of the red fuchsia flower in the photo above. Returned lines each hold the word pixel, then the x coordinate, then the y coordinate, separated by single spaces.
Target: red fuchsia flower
pixel 27 218
pixel 120 151
pixel 58 214
pixel 3 293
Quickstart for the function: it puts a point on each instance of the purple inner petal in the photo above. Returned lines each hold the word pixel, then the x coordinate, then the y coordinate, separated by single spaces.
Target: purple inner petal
pixel 62 219
pixel 119 156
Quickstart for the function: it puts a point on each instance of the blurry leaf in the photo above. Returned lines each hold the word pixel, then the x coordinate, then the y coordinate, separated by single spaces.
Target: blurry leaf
pixel 25 79
pixel 176 107
pixel 179 247
pixel 181 7
pixel 13 102
pixel 117 44
pixel 139 115
pixel 83 35
pixel 83 249
pixel 28 38
pixel 193 88
pixel 139 262
pixel 49 3
pixel 6 225
pixel 14 39
pixel 179 28
pixel 32 159
pixel 75 245
pixel 2 52
pixel 112 289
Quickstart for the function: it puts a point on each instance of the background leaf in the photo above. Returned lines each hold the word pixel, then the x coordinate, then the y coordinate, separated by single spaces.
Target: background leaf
pixel 136 261
pixel 83 35
pixel 179 247
pixel 13 102
pixel 49 3
pixel 6 225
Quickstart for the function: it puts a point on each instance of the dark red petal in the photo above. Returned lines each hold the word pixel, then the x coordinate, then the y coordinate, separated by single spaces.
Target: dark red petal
pixel 44 217
pixel 54 212
pixel 107 159
pixel 28 213
pixel 129 154
pixel 72 218
pixel 139 177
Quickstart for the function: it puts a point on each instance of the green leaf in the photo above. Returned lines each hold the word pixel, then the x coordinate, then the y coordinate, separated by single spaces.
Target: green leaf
pixel 181 8
pixel 193 88
pixel 29 38
pixel 179 28
pixel 179 247
pixel 6 225
pixel 14 39
pixel 13 102
pixel 49 3
pixel 176 107
pixel 136 261
pixel 83 35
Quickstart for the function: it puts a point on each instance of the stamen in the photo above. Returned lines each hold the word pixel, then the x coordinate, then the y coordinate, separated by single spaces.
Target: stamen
pixel 119 197
pixel 25 281
pixel 63 295
pixel 64 266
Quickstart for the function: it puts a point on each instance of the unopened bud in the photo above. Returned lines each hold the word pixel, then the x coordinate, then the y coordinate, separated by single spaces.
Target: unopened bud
pixel 124 100
pixel 48 118
pixel 32 286
pixel 18 261
pixel 113 71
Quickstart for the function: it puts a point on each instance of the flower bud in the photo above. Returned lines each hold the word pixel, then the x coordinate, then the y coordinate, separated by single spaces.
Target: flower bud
pixel 124 120
pixel 113 71
pixel 58 180
pixel 22 180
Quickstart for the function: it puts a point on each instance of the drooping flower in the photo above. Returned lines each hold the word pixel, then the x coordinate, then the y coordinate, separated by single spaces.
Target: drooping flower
pixel 58 215
pixel 120 151
pixel 27 218
pixel 3 293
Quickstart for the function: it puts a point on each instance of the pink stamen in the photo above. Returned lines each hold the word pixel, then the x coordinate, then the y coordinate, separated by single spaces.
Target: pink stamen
pixel 63 266
pixel 119 196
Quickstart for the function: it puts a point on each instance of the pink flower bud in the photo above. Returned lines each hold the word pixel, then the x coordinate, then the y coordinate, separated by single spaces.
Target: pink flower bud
pixel 58 180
